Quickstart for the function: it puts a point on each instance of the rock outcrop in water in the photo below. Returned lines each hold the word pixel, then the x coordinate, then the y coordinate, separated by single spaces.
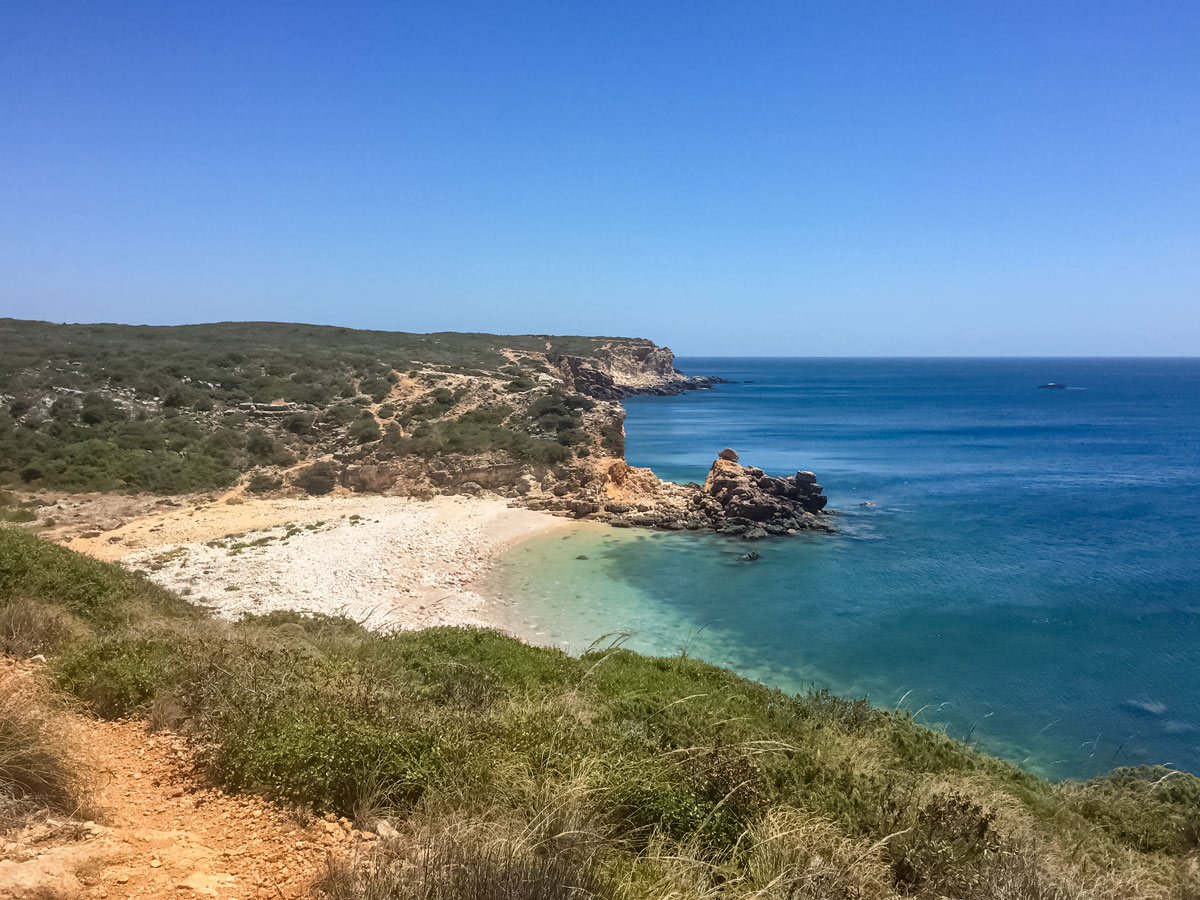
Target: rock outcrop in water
pixel 745 492
pixel 734 500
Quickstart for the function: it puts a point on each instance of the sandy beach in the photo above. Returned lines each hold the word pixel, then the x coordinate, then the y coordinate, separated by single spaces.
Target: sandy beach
pixel 387 562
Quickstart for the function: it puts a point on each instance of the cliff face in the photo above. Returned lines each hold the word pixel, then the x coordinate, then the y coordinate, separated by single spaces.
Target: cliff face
pixel 624 369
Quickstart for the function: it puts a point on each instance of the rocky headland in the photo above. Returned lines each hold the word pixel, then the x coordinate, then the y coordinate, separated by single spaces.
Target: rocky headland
pixel 598 484
pixel 275 411
pixel 628 370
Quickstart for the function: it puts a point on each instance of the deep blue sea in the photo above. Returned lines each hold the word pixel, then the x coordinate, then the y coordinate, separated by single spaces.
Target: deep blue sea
pixel 1027 578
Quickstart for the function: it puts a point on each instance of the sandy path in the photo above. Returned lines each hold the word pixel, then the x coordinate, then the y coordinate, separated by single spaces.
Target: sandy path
pixel 162 833
pixel 387 562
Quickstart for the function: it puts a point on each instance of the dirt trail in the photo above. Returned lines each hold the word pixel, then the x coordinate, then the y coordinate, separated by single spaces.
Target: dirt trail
pixel 162 833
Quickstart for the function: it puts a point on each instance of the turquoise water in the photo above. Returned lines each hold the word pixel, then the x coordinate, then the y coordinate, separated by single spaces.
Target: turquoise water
pixel 1028 578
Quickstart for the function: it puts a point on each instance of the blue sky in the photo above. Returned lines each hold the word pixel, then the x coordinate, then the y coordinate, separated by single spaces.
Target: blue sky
pixel 791 178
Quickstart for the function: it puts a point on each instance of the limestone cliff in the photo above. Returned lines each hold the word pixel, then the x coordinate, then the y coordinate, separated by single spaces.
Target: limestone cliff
pixel 626 368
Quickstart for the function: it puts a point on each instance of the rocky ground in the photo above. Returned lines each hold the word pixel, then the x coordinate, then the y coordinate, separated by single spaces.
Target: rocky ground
pixel 162 832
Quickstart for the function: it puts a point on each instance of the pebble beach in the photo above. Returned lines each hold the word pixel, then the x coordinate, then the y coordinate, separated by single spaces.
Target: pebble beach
pixel 387 562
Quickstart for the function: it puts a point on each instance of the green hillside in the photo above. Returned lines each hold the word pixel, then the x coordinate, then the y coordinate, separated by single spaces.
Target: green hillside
pixel 193 407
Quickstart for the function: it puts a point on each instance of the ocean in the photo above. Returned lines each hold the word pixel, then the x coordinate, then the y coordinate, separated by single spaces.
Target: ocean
pixel 1026 575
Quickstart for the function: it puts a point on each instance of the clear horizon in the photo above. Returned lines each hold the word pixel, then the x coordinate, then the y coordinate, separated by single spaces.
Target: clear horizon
pixel 865 181
pixel 678 355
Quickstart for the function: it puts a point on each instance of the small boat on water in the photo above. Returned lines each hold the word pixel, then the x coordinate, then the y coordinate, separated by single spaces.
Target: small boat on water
pixel 1052 385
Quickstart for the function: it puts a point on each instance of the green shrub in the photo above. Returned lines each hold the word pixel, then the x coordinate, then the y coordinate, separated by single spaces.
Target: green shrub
pixel 1150 808
pixel 319 478
pixel 261 483
pixel 35 570
pixel 119 676
pixel 300 423
pixel 341 414
pixel 259 443
pixel 365 430
pixel 944 849
pixel 612 439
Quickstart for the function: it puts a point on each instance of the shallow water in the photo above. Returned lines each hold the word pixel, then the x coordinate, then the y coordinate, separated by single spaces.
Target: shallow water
pixel 1029 577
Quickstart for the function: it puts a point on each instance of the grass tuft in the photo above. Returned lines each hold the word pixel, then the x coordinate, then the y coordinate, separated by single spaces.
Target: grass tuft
pixel 39 758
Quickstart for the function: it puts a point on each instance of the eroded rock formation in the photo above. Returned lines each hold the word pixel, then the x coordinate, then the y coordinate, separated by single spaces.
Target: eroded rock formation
pixel 734 499
pixel 625 369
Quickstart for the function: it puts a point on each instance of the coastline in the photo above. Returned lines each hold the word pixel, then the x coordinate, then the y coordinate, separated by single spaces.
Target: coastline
pixel 387 562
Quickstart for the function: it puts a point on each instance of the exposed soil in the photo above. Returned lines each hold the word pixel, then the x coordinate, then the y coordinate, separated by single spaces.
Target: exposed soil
pixel 162 832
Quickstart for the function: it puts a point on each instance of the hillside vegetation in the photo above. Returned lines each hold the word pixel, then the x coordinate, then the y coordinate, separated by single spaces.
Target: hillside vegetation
pixel 514 771
pixel 189 408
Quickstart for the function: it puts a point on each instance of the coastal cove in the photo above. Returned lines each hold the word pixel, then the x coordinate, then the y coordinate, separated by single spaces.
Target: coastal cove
pixel 1025 576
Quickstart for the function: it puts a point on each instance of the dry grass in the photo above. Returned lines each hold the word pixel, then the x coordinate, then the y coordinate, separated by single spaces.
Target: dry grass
pixel 800 857
pixel 465 859
pixel 28 628
pixel 39 771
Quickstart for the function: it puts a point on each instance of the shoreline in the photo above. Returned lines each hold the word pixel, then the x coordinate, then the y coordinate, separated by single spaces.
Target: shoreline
pixel 390 563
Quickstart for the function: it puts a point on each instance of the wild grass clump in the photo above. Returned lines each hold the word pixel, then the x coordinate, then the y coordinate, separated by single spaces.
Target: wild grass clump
pixel 1153 809
pixel 40 764
pixel 51 597
pixel 518 771
pixel 473 859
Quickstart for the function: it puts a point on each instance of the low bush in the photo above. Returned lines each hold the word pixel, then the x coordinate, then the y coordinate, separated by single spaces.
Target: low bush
pixel 365 430
pixel 261 483
pixel 1151 808
pixel 319 478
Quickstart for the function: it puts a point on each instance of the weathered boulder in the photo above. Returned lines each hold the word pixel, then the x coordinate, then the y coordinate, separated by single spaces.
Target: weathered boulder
pixel 728 454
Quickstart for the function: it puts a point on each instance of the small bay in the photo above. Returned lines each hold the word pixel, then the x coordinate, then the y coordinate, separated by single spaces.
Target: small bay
pixel 1026 574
